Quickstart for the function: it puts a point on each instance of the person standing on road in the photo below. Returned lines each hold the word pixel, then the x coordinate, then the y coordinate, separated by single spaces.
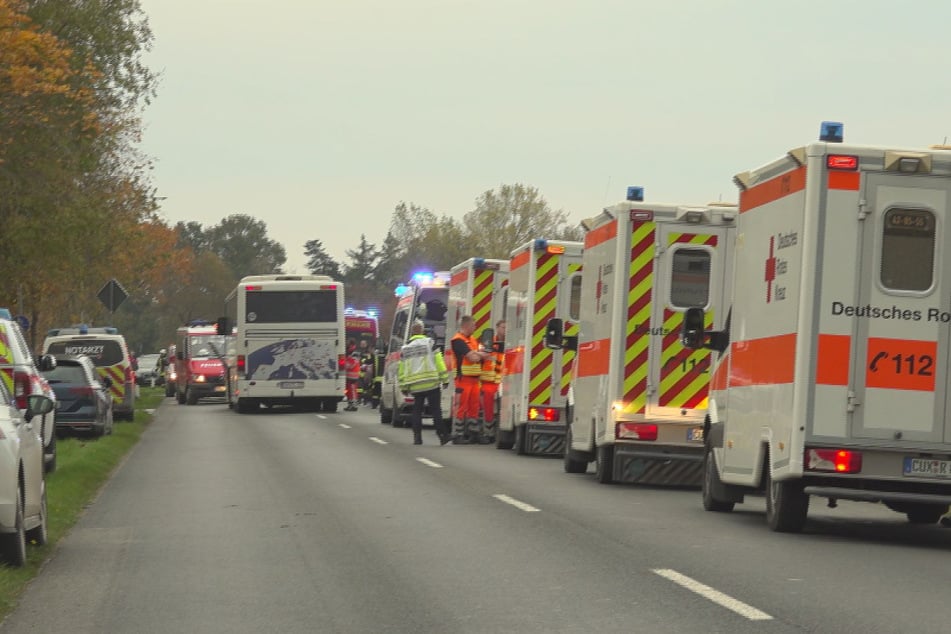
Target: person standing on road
pixel 465 350
pixel 490 380
pixel 422 370
pixel 352 368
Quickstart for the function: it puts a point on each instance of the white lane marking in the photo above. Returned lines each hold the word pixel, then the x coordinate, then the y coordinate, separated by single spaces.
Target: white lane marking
pixel 378 441
pixel 429 463
pixel 344 426
pixel 716 596
pixel 321 416
pixel 528 508
pixel 149 411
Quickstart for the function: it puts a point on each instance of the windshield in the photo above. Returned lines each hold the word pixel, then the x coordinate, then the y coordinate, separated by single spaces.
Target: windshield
pixel 207 346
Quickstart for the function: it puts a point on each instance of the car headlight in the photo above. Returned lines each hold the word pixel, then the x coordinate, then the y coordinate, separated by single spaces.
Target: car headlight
pixel 199 378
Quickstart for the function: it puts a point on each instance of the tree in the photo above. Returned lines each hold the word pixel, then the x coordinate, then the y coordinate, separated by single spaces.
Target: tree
pixel 363 261
pixel 242 243
pixel 510 216
pixel 192 234
pixel 319 261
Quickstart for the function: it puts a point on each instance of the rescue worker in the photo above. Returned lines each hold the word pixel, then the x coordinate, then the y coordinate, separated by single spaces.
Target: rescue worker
pixel 352 369
pixel 422 370
pixel 469 358
pixel 491 378
pixel 366 371
pixel 379 359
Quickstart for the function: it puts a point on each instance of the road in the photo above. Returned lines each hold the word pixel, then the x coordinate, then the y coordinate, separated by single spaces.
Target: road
pixel 294 522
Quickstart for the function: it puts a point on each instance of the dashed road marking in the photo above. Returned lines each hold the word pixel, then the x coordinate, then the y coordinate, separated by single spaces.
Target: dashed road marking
pixel 378 441
pixel 429 463
pixel 321 416
pixel 716 596
pixel 528 508
pixel 344 426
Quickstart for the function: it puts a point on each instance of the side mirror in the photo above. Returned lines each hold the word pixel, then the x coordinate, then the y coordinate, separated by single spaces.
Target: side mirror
pixel 47 362
pixel 486 338
pixel 223 326
pixel 555 334
pixel 37 405
pixel 692 333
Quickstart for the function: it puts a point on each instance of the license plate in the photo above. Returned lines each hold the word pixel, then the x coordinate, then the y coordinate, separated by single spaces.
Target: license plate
pixel 695 434
pixel 927 468
pixel 291 385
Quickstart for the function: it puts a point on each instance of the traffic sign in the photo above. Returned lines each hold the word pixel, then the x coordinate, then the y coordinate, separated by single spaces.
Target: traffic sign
pixel 112 295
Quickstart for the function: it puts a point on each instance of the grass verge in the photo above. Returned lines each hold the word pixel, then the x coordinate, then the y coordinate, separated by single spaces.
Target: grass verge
pixel 82 467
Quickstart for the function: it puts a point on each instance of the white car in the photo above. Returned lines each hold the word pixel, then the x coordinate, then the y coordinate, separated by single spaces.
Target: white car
pixel 22 476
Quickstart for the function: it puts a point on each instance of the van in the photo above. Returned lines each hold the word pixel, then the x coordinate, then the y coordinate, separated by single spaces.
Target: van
pixel 110 354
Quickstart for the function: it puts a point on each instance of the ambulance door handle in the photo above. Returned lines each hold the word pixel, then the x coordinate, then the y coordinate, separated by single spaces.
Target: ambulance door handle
pixel 852 402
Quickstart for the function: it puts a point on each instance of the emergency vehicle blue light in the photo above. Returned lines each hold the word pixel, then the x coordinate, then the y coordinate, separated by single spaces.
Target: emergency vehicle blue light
pixel 831 132
pixel 401 289
pixel 478 262
pixel 541 244
pixel 372 312
pixel 348 310
pixel 422 278
pixel 635 194
pixel 83 329
pixel 5 314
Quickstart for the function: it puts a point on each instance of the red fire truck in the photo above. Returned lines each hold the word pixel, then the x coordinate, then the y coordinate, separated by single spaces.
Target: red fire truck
pixel 199 369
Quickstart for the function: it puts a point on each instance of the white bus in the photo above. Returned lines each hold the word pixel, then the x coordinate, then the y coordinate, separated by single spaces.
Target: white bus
pixel 289 342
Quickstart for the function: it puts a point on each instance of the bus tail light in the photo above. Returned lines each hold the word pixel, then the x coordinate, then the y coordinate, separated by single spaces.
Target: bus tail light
pixel 636 431
pixel 545 414
pixel 834 460
pixel 240 364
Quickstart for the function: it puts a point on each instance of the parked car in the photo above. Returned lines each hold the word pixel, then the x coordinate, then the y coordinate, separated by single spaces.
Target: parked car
pixel 22 479
pixel 83 398
pixel 21 375
pixel 149 370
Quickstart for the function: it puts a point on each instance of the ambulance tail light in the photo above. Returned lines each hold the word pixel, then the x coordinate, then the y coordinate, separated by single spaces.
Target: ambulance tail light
pixel 555 249
pixel 253 287
pixel 129 375
pixel 844 162
pixel 636 431
pixel 543 414
pixel 833 460
pixel 21 388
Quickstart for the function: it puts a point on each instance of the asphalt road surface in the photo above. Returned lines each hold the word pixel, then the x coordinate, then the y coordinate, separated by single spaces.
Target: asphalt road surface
pixel 299 522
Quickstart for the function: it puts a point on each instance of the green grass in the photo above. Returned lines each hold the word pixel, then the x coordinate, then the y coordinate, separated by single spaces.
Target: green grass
pixel 82 466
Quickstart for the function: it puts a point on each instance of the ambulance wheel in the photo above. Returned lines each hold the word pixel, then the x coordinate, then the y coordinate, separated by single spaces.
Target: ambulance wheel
pixel 604 464
pixel 573 464
pixel 711 483
pixel 925 513
pixel 384 415
pixel 786 505
pixel 521 439
pixel 397 418
pixel 504 439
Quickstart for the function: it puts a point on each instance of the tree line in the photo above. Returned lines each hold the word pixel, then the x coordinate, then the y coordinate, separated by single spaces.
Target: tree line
pixel 78 206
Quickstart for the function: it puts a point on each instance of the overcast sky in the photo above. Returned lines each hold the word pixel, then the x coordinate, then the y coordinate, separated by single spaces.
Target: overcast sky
pixel 318 117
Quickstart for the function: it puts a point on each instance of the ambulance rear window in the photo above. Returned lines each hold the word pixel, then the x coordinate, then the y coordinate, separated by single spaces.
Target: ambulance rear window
pixel 908 245
pixel 690 279
pixel 102 352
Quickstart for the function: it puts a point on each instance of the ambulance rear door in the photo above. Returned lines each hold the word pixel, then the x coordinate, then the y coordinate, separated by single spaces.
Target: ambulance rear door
pixel 901 321
pixel 690 272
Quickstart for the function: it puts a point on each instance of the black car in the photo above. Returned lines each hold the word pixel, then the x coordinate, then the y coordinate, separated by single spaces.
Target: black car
pixel 83 400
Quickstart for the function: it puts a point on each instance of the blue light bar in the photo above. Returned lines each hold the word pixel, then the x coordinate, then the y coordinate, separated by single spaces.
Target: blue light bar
pixel 541 244
pixel 478 263
pixel 423 277
pixel 401 289
pixel 635 194
pixel 831 132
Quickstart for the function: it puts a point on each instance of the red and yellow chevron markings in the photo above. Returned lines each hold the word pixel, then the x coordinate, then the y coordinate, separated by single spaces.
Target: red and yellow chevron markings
pixel 482 299
pixel 637 344
pixel 571 330
pixel 6 357
pixel 684 373
pixel 117 375
pixel 546 299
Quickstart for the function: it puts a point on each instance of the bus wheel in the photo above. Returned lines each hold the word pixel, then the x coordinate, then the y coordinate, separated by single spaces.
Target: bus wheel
pixel 245 406
pixel 330 405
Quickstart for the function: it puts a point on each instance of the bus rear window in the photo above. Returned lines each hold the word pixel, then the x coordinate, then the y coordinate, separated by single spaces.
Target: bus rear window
pixel 281 307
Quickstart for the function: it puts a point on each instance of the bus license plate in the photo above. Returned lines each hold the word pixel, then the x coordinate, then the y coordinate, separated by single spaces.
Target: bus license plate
pixel 291 385
pixel 695 434
pixel 927 468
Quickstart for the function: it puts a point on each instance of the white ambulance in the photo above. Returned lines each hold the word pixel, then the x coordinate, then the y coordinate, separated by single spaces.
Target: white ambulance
pixel 832 377
pixel 426 298
pixel 477 287
pixel 639 397
pixel 544 281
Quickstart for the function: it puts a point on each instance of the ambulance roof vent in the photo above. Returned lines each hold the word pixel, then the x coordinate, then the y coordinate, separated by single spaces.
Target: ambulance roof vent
pixel 831 132
pixel 635 194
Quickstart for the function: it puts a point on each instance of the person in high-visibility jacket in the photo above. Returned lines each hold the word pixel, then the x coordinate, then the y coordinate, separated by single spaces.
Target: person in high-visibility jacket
pixel 468 357
pixel 352 369
pixel 491 378
pixel 422 370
